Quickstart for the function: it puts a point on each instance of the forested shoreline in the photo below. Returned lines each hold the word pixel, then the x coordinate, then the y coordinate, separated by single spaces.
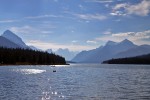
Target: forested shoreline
pixel 143 59
pixel 18 56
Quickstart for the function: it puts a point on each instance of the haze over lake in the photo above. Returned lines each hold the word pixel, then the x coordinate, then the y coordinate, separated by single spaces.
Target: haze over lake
pixel 75 82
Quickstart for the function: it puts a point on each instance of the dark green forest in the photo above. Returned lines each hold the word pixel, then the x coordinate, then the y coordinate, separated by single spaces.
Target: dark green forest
pixel 144 59
pixel 28 57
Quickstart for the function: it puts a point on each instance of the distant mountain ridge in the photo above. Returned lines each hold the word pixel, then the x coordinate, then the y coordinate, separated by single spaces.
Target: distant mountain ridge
pixel 64 52
pixel 111 50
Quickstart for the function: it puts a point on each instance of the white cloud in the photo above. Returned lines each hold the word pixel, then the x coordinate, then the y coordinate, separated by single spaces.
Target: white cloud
pixel 134 35
pixel 91 42
pixel 137 37
pixel 55 46
pixel 118 6
pixel 140 9
pixel 126 34
pixel 91 16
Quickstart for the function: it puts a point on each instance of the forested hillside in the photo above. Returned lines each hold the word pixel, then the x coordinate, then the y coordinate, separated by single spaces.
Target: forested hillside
pixel 27 56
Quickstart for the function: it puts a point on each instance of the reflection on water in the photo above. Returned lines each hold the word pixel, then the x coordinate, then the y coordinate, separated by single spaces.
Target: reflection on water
pixel 29 71
pixel 75 82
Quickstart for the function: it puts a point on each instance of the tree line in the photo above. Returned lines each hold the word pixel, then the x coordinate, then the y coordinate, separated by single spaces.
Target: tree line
pixel 28 56
pixel 144 59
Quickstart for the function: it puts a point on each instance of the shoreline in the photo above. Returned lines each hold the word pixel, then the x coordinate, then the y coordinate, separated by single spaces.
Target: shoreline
pixel 30 64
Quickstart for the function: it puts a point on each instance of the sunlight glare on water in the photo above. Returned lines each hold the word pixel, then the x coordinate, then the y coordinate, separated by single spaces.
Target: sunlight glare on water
pixel 29 71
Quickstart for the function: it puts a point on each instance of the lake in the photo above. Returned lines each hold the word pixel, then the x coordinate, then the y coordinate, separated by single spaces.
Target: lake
pixel 75 82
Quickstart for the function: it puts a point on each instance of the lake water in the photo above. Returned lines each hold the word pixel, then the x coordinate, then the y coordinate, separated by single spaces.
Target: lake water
pixel 75 82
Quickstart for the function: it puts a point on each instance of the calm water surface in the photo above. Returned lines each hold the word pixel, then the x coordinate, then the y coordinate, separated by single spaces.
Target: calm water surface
pixel 75 82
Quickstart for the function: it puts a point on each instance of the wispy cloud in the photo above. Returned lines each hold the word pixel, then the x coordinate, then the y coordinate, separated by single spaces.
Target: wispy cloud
pixel 91 16
pixel 43 16
pixel 8 21
pixel 140 9
pixel 25 29
pixel 87 16
pixel 29 30
pixel 55 46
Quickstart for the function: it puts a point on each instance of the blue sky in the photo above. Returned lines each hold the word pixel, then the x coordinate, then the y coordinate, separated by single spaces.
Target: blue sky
pixel 76 24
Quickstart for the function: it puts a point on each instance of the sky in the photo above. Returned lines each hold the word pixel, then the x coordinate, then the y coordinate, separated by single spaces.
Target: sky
pixel 76 24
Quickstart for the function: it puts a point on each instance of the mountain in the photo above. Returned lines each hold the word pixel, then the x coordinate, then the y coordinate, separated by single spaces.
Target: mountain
pixel 87 56
pixel 14 38
pixel 110 50
pixel 49 50
pixel 66 53
pixel 7 43
pixel 10 40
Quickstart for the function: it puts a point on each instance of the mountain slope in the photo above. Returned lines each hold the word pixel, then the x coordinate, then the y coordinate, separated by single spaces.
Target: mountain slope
pixel 14 38
pixel 103 53
pixel 86 56
pixel 139 50
pixel 7 43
